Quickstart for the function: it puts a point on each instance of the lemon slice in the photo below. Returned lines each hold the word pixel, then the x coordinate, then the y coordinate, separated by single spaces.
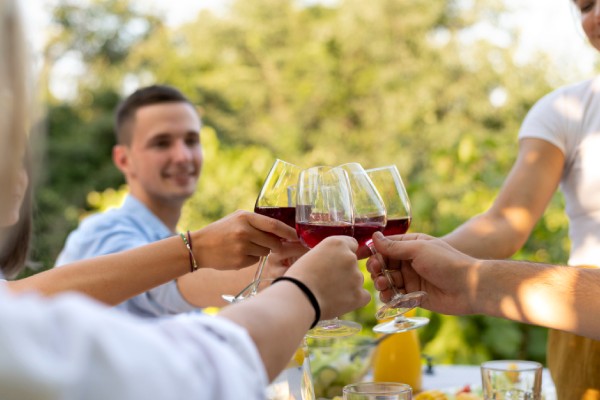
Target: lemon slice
pixel 299 356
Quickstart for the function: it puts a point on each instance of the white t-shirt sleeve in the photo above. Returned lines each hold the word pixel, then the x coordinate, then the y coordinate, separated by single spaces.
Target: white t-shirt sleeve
pixel 69 347
pixel 562 118
pixel 546 120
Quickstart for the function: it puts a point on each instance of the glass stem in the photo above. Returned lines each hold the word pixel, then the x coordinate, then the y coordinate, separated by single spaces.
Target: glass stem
pixel 384 268
pixel 258 274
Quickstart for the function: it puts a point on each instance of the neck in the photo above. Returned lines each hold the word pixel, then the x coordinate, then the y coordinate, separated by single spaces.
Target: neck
pixel 168 212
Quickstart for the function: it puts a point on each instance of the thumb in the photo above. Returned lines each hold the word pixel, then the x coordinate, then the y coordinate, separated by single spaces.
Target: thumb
pixel 396 249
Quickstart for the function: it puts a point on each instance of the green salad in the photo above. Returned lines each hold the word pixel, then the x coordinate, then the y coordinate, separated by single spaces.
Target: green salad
pixel 333 367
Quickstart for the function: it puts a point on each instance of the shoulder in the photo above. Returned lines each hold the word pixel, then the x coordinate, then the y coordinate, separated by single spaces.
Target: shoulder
pixel 559 117
pixel 109 223
pixel 572 97
pixel 104 233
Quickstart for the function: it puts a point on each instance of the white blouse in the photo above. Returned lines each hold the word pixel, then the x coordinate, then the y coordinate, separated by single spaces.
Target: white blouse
pixel 69 347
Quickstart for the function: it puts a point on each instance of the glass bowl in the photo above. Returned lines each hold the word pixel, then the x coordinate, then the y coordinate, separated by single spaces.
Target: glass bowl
pixel 337 362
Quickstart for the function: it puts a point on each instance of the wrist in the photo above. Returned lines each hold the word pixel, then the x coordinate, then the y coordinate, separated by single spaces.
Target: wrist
pixel 197 239
pixel 307 293
pixel 294 301
pixel 189 243
pixel 480 295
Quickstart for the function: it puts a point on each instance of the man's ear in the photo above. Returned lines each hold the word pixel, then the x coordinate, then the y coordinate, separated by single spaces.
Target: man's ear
pixel 120 156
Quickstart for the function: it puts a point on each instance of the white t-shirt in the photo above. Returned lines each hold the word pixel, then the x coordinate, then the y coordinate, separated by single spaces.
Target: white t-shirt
pixel 569 118
pixel 71 348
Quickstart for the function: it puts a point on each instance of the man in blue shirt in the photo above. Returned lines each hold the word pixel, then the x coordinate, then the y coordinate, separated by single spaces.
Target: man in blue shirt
pixel 159 152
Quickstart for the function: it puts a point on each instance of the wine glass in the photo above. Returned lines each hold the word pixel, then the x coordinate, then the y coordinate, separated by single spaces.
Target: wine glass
pixel 324 208
pixel 369 208
pixel 389 184
pixel 277 199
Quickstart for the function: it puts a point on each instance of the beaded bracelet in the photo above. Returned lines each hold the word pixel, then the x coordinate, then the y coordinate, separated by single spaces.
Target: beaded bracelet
pixel 188 243
pixel 311 297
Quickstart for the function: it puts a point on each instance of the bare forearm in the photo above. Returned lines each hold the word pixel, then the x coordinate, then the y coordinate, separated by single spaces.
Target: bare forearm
pixel 114 278
pixel 555 297
pixel 487 237
pixel 506 225
pixel 204 287
pixel 276 320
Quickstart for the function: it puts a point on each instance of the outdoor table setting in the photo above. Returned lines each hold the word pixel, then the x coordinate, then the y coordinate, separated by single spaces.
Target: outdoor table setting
pixel 334 359
pixel 452 379
pixel 452 382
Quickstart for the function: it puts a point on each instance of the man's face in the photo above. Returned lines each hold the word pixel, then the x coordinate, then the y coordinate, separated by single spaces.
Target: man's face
pixel 163 162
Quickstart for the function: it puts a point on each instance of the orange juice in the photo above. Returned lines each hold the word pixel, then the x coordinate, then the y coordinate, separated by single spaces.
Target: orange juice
pixel 398 359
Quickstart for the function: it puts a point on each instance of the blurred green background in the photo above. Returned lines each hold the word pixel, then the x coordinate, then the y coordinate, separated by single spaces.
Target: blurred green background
pixel 378 82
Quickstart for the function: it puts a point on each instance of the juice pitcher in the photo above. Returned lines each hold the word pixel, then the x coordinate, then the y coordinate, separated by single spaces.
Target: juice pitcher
pixel 398 359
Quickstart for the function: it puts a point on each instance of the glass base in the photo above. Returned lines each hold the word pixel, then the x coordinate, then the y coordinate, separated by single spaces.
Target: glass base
pixel 334 328
pixel 401 324
pixel 229 298
pixel 251 290
pixel 400 304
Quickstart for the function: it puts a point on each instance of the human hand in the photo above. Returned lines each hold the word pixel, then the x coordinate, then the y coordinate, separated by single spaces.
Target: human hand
pixel 278 263
pixel 420 262
pixel 239 239
pixel 331 272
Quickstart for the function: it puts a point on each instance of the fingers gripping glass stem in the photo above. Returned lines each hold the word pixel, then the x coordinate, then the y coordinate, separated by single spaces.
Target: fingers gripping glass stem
pixel 400 302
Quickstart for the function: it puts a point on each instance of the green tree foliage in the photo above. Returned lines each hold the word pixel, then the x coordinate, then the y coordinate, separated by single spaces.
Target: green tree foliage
pixel 388 82
pixel 80 132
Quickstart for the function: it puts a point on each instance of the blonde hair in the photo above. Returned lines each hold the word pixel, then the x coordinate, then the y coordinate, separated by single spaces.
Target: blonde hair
pixel 14 99
pixel 15 111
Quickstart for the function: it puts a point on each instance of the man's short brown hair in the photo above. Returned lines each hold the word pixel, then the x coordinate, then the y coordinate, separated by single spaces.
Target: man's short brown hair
pixel 155 94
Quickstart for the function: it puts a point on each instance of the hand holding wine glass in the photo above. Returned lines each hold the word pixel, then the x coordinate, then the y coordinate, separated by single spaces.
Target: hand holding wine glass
pixel 238 240
pixel 331 271
pixel 275 200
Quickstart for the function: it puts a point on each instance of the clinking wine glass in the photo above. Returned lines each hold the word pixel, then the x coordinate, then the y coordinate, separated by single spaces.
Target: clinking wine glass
pixel 369 208
pixel 389 185
pixel 324 208
pixel 277 199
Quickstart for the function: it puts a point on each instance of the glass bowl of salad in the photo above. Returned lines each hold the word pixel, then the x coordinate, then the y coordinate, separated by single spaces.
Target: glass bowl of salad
pixel 337 362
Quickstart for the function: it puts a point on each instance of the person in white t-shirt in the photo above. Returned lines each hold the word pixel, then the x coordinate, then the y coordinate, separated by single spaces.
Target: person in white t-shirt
pixel 69 347
pixel 559 143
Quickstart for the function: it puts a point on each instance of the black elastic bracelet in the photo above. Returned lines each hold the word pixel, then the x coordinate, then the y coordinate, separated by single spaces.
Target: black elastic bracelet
pixel 311 297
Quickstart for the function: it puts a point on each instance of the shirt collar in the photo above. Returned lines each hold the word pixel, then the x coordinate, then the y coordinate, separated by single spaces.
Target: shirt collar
pixel 133 206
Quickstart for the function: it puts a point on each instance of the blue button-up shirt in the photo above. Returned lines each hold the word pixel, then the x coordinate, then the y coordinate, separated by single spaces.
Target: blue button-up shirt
pixel 124 228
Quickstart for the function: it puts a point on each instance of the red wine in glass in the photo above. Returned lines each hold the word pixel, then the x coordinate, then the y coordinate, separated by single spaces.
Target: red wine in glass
pixel 364 228
pixel 397 226
pixel 287 215
pixel 312 234
pixel 324 208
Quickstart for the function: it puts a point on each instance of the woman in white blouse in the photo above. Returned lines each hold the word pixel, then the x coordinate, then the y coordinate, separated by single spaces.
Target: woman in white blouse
pixel 69 347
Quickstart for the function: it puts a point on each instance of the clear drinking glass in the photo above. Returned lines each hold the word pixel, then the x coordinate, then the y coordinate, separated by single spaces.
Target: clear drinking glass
pixel 324 208
pixel 377 391
pixel 277 199
pixel 389 185
pixel 511 380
